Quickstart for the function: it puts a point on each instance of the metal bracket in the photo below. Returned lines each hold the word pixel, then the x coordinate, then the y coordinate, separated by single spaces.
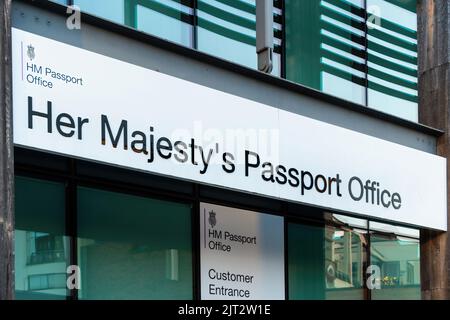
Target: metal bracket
pixel 264 35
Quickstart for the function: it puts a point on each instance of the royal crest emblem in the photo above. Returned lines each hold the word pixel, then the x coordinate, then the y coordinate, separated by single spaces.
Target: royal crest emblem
pixel 212 219
pixel 30 52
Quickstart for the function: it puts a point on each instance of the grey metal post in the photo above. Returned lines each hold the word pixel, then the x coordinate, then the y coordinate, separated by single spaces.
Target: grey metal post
pixel 264 34
pixel 6 157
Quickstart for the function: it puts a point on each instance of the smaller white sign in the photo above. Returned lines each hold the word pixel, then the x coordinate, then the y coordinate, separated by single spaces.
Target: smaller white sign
pixel 242 254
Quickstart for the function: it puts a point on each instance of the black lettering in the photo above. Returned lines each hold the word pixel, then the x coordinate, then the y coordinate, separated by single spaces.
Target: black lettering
pixel 317 184
pixel 60 124
pixel 81 122
pixel 337 181
pixel 293 177
pixel 396 201
pixel 123 129
pixel 181 155
pixel 247 161
pixel 267 169
pixel 386 205
pixel 47 115
pixel 31 67
pixel 193 147
pixel 281 175
pixel 164 144
pixel 211 274
pixel 311 181
pixel 139 145
pixel 338 185
pixel 361 187
pixel 151 152
pixel 205 160
pixel 228 165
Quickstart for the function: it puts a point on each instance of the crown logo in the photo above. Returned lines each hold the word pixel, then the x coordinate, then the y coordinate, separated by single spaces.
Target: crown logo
pixel 212 219
pixel 30 52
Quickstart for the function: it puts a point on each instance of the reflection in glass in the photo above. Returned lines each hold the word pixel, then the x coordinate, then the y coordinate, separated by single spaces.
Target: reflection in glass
pixel 392 57
pixel 306 262
pixel 393 229
pixel 329 49
pixel 227 29
pixel 344 261
pixel 64 2
pixel 325 46
pixel 132 247
pixel 326 262
pixel 107 9
pixel 41 247
pixel 164 19
pixel 398 260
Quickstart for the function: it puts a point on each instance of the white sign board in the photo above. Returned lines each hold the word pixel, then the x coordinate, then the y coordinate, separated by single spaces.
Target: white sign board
pixel 241 254
pixel 78 103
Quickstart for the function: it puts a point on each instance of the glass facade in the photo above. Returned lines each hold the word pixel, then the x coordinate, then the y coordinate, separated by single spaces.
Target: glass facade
pixel 143 244
pixel 131 243
pixel 127 247
pixel 42 250
pixel 327 261
pixel 364 51
pixel 392 57
pixel 325 46
pixel 112 10
pixel 138 247
pixel 225 29
pixel 396 251
pixel 166 19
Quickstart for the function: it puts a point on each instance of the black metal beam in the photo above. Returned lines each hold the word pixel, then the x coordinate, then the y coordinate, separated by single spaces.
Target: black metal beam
pixel 6 157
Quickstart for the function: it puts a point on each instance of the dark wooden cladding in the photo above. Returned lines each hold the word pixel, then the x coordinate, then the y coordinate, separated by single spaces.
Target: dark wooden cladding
pixel 434 106
pixel 6 157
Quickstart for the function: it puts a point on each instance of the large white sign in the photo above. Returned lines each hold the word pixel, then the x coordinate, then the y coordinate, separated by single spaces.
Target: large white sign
pixel 74 102
pixel 241 254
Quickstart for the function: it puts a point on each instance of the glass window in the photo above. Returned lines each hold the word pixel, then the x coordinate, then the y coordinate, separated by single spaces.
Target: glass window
pixel 166 19
pixel 392 57
pixel 227 29
pixel 326 262
pixel 131 247
pixel 108 9
pixel 64 2
pixel 398 259
pixel 364 51
pixel 325 46
pixel 393 229
pixel 350 221
pixel 345 254
pixel 306 262
pixel 41 247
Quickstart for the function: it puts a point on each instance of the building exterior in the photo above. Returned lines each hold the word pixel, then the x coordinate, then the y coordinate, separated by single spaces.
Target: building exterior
pixel 145 156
